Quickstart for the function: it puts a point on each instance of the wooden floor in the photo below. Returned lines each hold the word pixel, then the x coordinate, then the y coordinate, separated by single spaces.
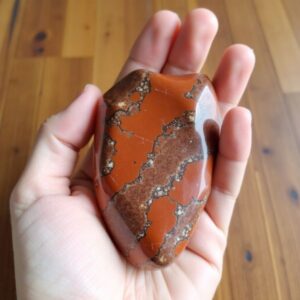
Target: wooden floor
pixel 50 48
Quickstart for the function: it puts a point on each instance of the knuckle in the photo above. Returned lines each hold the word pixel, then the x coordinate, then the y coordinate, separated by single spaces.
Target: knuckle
pixel 15 194
pixel 44 127
pixel 22 195
pixel 16 200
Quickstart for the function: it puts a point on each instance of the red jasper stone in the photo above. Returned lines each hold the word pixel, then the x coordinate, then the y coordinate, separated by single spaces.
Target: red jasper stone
pixel 155 145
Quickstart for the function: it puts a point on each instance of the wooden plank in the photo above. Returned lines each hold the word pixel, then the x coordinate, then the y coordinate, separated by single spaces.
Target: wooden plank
pixel 282 43
pixel 42 28
pixel 178 6
pixel 134 21
pixel 273 236
pixel 156 4
pixel 80 28
pixel 292 9
pixel 6 9
pixel 63 81
pixel 276 151
pixel 110 39
pixel 293 105
pixel 15 136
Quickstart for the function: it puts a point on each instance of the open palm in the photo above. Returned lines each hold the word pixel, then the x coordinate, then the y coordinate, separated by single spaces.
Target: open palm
pixel 62 249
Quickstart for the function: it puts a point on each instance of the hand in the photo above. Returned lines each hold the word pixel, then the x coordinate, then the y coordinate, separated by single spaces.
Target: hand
pixel 61 248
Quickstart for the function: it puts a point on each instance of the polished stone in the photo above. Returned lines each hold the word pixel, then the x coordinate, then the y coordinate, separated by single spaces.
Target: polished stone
pixel 155 145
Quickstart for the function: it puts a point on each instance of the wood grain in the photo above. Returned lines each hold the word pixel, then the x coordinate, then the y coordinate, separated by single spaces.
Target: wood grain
pixel 80 29
pixel 135 22
pixel 110 42
pixel 282 43
pixel 292 9
pixel 42 28
pixel 49 49
pixel 6 10
pixel 58 74
pixel 276 153
pixel 293 105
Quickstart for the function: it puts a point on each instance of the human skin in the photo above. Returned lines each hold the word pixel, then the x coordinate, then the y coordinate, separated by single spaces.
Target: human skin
pixel 61 248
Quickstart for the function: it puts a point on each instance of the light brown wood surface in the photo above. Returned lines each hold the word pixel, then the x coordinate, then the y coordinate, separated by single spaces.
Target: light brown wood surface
pixel 88 40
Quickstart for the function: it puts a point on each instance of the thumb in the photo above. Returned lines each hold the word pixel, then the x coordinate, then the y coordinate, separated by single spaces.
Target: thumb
pixel 56 150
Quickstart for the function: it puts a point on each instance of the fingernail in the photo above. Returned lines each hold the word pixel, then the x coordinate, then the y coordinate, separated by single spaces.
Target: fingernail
pixel 86 87
pixel 93 90
pixel 249 115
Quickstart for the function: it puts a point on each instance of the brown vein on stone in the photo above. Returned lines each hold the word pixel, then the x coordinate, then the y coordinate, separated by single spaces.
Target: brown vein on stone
pixel 135 198
pixel 161 191
pixel 107 163
pixel 196 88
pixel 186 218
pixel 122 105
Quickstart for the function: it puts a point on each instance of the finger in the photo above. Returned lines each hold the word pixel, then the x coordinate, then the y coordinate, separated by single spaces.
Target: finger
pixel 234 150
pixel 151 48
pixel 232 75
pixel 56 150
pixel 193 42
